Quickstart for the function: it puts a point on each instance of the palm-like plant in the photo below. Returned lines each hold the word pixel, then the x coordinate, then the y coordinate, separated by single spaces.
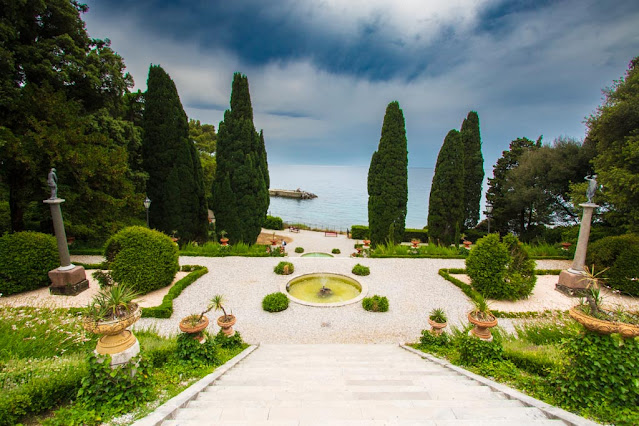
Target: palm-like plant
pixel 438 315
pixel 592 286
pixel 111 302
pixel 482 311
pixel 217 303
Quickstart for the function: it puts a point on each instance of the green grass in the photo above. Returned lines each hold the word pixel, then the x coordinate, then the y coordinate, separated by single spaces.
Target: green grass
pixel 545 250
pixel 424 251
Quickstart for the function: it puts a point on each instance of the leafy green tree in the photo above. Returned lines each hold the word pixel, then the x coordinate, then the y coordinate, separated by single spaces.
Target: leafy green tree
pixel 62 106
pixel 613 130
pixel 205 139
pixel 388 180
pixel 175 175
pixel 240 188
pixel 446 201
pixel 473 169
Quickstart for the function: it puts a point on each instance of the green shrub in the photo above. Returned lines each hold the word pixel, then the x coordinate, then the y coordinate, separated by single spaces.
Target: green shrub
pixel 275 302
pixel 165 310
pixel 299 249
pixel 602 369
pixel 619 254
pixel 474 351
pixel 273 222
pixel 157 350
pixel 336 251
pixel 25 261
pixel 192 351
pixel 226 342
pixel 540 360
pixel 361 270
pixel 359 232
pixel 284 268
pixel 142 258
pixel 549 332
pixel 501 269
pixel 375 303
pixel 34 386
pixel 429 339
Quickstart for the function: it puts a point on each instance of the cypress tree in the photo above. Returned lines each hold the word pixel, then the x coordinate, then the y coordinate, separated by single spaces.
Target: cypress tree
pixel 388 180
pixel 473 169
pixel 175 174
pixel 446 201
pixel 240 187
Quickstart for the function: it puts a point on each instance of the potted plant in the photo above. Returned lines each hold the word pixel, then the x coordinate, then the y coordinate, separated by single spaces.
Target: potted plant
pixel 226 321
pixel 482 319
pixel 223 238
pixel 414 242
pixel 173 236
pixel 565 245
pixel 110 312
pixel 595 318
pixel 467 243
pixel 196 323
pixel 366 243
pixel 437 320
pixel 273 240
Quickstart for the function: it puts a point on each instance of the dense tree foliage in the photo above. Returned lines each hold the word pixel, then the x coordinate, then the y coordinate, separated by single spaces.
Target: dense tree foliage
pixel 175 175
pixel 388 180
pixel 446 201
pixel 205 139
pixel 240 188
pixel 63 105
pixel 473 169
pixel 614 133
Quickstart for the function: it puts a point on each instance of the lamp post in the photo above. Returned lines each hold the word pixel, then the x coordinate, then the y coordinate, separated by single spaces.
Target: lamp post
pixel 489 210
pixel 147 204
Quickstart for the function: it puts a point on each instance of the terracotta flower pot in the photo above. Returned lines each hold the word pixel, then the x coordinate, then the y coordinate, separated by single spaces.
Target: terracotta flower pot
pixel 224 241
pixel 195 330
pixel 226 324
pixel 366 242
pixel 437 327
pixel 482 328
pixel 565 245
pixel 602 326
pixel 467 244
pixel 116 338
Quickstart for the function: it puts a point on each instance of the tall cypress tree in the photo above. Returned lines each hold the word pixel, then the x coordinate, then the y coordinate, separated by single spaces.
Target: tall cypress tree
pixel 240 188
pixel 388 180
pixel 446 202
pixel 175 174
pixel 473 169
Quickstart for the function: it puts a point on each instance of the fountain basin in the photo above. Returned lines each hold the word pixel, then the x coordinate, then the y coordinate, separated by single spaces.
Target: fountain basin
pixel 306 290
pixel 316 254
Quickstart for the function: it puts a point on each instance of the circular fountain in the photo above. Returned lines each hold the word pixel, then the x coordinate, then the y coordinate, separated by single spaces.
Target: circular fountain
pixel 325 290
pixel 316 254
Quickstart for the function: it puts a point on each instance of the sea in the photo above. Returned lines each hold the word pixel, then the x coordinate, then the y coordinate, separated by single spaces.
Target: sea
pixel 342 195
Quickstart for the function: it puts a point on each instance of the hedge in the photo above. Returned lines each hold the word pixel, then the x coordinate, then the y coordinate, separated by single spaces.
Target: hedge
pixel 25 261
pixel 619 254
pixel 142 258
pixel 273 222
pixel 360 232
pixel 165 310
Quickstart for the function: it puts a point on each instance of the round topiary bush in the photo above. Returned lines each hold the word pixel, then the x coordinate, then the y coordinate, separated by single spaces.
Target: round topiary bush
pixel 273 222
pixel 142 258
pixel 375 303
pixel 361 270
pixel 299 249
pixel 501 269
pixel 25 260
pixel 284 268
pixel 336 251
pixel 275 302
pixel 619 254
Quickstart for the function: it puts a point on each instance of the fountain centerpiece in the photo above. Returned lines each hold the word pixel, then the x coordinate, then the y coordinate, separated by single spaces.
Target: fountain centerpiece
pixel 324 289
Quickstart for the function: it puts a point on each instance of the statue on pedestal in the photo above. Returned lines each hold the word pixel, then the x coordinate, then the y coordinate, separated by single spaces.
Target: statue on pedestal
pixel 52 181
pixel 592 187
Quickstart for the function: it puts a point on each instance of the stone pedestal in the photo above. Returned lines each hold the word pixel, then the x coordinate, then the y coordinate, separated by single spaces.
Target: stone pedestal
pixel 68 279
pixel 571 281
pixel 68 282
pixel 121 358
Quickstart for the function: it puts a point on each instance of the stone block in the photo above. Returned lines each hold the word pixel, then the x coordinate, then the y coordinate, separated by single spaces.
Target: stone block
pixel 68 283
pixel 571 283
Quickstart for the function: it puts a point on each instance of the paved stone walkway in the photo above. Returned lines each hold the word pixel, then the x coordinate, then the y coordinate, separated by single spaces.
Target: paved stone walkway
pixel 350 385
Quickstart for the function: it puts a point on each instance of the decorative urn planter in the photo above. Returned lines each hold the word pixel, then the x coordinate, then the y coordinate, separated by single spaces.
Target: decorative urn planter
pixel 224 241
pixel 273 242
pixel 366 243
pixel 195 331
pixel 602 326
pixel 437 327
pixel 226 323
pixel 565 245
pixel 116 338
pixel 415 243
pixel 482 328
pixel 467 244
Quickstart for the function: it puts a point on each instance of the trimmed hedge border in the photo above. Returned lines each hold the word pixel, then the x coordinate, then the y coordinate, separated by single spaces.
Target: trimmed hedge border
pixel 165 310
pixel 195 254
pixel 87 252
pixel 474 294
pixel 415 256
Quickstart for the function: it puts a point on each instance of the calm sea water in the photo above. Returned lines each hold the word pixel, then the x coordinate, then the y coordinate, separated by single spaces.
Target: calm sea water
pixel 342 196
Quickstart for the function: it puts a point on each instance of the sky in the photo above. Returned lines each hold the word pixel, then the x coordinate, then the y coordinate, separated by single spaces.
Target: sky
pixel 321 72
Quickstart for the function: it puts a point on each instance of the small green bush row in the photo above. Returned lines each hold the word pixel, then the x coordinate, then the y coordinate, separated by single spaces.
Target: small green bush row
pixel 273 222
pixel 213 249
pixel 165 310
pixel 275 302
pixel 375 303
pixel 284 268
pixel 361 270
pixel 361 232
pixel 25 261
